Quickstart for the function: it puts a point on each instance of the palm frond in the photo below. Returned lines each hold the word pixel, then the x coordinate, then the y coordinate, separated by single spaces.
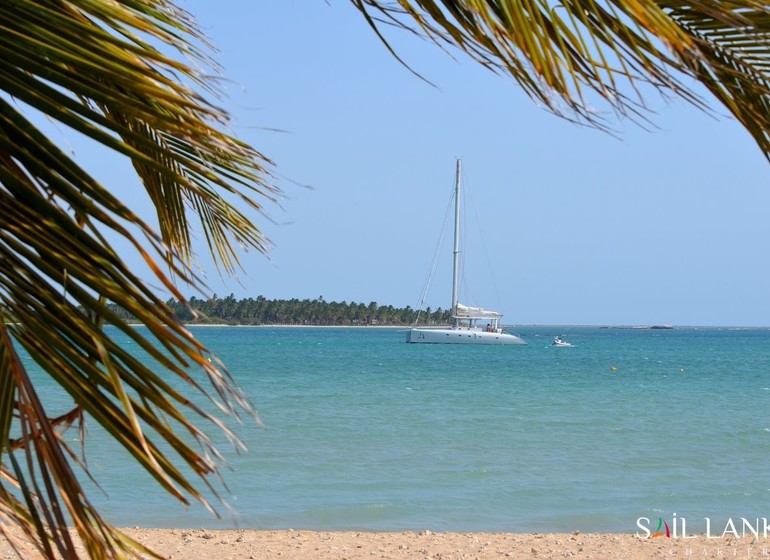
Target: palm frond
pixel 572 55
pixel 101 69
pixel 129 96
pixel 731 57
pixel 46 482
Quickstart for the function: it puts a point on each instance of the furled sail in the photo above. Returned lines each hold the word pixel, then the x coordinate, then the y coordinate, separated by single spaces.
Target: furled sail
pixel 467 312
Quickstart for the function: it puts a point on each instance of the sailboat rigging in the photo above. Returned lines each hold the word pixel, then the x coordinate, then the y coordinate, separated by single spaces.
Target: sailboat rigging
pixel 470 325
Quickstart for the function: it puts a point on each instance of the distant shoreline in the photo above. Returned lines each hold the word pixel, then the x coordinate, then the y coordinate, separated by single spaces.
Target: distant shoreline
pixel 287 326
pixel 404 327
pixel 521 326
pixel 263 312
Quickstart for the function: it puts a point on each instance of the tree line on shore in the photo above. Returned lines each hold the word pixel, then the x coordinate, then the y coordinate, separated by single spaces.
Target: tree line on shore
pixel 318 312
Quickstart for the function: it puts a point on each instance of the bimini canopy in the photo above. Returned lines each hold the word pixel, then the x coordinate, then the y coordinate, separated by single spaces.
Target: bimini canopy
pixel 466 312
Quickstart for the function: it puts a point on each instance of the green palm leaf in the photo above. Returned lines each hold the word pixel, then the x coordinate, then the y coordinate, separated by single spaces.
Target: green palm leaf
pixel 99 68
pixel 575 55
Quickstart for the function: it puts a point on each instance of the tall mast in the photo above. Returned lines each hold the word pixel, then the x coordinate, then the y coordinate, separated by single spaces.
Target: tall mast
pixel 456 254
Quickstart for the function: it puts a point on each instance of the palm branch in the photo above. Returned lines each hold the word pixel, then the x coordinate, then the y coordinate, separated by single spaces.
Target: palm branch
pixel 575 56
pixel 101 69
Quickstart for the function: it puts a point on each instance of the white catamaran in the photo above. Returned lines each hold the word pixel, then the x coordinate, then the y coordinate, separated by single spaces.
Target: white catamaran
pixel 470 325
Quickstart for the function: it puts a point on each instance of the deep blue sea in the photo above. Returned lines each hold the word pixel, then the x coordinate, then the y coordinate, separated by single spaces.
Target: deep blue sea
pixel 364 431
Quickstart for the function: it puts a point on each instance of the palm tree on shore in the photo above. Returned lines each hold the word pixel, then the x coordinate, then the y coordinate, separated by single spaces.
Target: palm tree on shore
pixel 113 72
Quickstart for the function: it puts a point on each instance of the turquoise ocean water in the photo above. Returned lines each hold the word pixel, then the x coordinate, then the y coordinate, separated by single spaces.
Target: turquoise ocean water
pixel 364 431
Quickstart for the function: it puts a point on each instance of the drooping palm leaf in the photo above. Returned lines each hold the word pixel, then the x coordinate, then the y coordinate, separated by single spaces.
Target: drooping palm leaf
pixel 44 247
pixel 571 55
pixel 101 69
pixel 129 97
pixel 733 57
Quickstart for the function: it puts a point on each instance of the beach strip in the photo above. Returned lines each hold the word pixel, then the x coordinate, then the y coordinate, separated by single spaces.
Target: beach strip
pixel 235 544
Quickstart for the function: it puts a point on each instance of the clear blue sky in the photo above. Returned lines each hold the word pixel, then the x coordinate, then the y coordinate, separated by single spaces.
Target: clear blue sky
pixel 669 226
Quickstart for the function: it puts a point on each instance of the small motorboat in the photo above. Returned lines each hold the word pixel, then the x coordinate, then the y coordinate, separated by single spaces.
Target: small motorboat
pixel 558 342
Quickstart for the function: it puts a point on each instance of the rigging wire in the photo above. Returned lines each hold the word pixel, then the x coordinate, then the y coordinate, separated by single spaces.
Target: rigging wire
pixel 434 262
pixel 464 285
pixel 470 208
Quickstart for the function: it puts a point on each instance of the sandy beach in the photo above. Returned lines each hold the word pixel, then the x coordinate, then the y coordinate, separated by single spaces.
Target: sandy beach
pixel 188 544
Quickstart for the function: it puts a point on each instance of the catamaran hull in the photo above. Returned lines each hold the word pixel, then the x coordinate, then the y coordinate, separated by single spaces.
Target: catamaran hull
pixel 460 336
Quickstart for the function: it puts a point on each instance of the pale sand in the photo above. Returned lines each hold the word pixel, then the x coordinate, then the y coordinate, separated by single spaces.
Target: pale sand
pixel 193 544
